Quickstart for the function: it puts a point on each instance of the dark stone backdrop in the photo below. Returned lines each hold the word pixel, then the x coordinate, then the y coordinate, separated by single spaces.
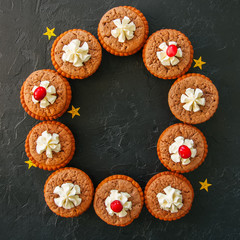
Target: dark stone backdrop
pixel 123 111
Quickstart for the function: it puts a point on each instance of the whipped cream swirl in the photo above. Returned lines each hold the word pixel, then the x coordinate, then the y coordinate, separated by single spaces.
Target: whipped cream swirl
pixel 123 198
pixel 174 147
pixel 49 143
pixel 164 58
pixel 192 99
pixel 50 97
pixel 68 195
pixel 170 201
pixel 124 29
pixel 75 54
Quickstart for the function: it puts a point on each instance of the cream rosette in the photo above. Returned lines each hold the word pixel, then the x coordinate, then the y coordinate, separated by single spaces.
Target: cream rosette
pixel 68 195
pixel 174 147
pixel 170 201
pixel 123 198
pixel 164 58
pixel 50 97
pixel 124 30
pixel 192 99
pixel 49 143
pixel 75 54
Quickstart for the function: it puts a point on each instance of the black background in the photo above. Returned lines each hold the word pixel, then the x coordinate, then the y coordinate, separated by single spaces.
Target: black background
pixel 123 111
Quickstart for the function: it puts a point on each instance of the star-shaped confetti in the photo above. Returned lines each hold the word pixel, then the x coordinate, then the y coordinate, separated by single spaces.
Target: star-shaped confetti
pixel 30 164
pixel 205 185
pixel 198 63
pixel 50 33
pixel 74 111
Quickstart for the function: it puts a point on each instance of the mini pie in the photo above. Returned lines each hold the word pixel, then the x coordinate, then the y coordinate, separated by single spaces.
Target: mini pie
pixel 182 148
pixel 168 196
pixel 50 145
pixel 168 54
pixel 123 30
pixel 45 95
pixel 193 98
pixel 118 200
pixel 76 54
pixel 68 192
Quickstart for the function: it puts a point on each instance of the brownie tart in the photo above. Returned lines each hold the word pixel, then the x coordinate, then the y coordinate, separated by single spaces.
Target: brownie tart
pixel 168 54
pixel 123 30
pixel 193 98
pixel 168 196
pixel 45 95
pixel 50 145
pixel 76 54
pixel 68 192
pixel 118 200
pixel 182 148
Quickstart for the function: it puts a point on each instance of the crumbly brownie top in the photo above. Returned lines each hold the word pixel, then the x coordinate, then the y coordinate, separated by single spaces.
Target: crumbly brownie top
pixel 65 139
pixel 158 185
pixel 188 132
pixel 106 25
pixel 69 175
pixel 121 185
pixel 61 92
pixel 152 47
pixel 210 93
pixel 95 50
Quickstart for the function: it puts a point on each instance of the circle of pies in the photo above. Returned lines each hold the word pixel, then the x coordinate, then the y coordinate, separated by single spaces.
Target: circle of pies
pixel 50 145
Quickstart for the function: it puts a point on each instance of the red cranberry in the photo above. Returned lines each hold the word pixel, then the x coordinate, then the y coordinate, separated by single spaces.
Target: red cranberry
pixel 171 50
pixel 116 206
pixel 184 151
pixel 39 93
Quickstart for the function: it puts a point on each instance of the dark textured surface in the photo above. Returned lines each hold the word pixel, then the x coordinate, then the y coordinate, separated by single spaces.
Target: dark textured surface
pixel 123 111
